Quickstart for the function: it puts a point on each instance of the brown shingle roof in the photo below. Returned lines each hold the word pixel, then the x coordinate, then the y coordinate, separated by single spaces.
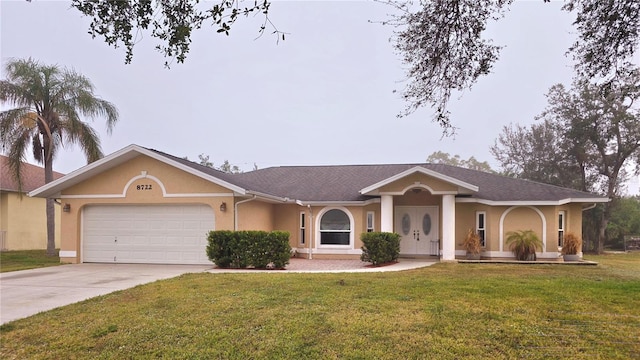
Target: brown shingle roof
pixel 344 182
pixel 32 176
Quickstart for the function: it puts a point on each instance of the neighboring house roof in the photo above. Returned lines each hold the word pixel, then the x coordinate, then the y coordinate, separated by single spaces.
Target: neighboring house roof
pixel 341 183
pixel 32 176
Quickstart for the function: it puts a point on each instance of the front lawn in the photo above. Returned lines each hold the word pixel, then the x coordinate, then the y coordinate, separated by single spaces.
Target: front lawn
pixel 26 259
pixel 446 311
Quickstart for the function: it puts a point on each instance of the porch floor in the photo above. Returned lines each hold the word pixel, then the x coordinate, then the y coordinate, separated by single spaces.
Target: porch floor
pixel 537 262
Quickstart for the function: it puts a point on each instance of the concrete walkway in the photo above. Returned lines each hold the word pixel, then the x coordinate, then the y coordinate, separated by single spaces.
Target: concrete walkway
pixel 28 292
pixel 297 265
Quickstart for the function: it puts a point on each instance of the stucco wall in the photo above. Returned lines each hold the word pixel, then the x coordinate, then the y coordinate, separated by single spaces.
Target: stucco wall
pixel 516 218
pixel 286 218
pixel 24 222
pixel 465 220
pixel 256 215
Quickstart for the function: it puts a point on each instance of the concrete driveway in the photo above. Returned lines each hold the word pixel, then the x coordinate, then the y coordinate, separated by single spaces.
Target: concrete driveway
pixel 28 292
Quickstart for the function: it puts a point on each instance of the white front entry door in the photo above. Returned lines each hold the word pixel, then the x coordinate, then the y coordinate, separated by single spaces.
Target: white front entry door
pixel 418 229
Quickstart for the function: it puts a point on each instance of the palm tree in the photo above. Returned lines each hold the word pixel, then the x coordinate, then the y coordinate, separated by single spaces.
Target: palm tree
pixel 48 103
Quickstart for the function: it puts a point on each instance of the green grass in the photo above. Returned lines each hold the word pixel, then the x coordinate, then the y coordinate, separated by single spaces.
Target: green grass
pixel 26 259
pixel 446 311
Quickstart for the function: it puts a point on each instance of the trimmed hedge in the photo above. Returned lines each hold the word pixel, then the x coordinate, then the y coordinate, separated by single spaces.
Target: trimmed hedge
pixel 240 249
pixel 380 247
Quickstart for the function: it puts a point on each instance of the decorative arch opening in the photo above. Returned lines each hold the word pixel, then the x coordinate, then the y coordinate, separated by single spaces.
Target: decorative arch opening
pixel 542 218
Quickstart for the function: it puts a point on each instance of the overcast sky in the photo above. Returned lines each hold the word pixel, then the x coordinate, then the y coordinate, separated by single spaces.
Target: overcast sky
pixel 325 95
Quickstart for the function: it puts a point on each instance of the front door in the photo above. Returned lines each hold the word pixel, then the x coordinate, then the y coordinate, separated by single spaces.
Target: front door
pixel 418 229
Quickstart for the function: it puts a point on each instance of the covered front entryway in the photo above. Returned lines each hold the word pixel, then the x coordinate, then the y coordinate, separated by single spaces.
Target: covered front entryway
pixel 418 229
pixel 419 187
pixel 146 234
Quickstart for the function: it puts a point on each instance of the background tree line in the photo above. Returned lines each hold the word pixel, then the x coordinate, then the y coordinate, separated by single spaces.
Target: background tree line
pixel 588 139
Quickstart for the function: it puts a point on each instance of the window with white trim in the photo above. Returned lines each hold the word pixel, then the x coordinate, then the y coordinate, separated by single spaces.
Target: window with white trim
pixel 335 228
pixel 481 226
pixel 303 228
pixel 562 218
pixel 371 221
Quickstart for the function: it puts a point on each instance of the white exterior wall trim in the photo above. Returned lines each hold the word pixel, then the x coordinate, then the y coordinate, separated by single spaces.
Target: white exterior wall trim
pixel 509 254
pixel 532 202
pixel 120 196
pixel 433 192
pixel 321 251
pixel 337 203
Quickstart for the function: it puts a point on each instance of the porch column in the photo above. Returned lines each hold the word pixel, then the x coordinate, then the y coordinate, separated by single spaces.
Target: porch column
pixel 448 227
pixel 386 213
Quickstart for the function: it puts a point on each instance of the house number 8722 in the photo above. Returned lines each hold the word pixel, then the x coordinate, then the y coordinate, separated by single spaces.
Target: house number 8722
pixel 143 187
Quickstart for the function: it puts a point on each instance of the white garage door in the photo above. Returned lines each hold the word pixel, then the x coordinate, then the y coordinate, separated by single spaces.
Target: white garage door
pixel 146 234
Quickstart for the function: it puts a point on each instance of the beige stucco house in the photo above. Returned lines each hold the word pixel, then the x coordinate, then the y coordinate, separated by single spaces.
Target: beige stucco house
pixel 23 221
pixel 140 205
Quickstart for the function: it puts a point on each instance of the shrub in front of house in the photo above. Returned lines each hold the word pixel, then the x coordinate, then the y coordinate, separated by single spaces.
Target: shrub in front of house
pixel 240 249
pixel 219 247
pixel 380 247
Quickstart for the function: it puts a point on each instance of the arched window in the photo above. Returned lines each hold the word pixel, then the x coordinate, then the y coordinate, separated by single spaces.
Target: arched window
pixel 335 228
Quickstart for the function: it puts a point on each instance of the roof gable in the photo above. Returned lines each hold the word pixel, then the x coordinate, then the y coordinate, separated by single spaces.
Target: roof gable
pixel 54 188
pixel 462 186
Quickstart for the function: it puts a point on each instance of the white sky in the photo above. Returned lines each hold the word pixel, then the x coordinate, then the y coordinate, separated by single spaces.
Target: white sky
pixel 323 96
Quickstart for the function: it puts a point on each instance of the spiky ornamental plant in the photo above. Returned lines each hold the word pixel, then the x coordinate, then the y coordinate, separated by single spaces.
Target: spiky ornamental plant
pixel 523 244
pixel 48 104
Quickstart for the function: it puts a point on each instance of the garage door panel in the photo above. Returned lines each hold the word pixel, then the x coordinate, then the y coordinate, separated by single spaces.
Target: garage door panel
pixel 159 234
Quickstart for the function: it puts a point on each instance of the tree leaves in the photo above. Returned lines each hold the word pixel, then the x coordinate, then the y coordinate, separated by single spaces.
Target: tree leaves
pixel 172 22
pixel 443 46
pixel 441 42
pixel 608 33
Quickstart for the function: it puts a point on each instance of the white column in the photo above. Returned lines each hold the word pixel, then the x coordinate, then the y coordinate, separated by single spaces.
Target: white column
pixel 448 227
pixel 386 213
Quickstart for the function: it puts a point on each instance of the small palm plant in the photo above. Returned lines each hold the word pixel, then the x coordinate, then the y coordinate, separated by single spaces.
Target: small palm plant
pixel 523 244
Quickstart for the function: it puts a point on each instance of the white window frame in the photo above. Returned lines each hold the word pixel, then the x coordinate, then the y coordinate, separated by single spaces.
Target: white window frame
pixel 562 227
pixel 302 234
pixel 371 221
pixel 318 233
pixel 483 238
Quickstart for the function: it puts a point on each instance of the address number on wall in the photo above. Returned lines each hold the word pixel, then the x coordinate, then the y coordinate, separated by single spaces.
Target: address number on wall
pixel 144 187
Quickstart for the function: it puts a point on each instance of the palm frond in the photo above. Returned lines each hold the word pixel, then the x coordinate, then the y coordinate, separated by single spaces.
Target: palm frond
pixel 82 134
pixel 16 155
pixel 10 121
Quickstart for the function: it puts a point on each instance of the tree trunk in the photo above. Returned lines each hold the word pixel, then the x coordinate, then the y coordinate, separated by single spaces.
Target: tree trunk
pixel 604 221
pixel 51 228
pixel 51 225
